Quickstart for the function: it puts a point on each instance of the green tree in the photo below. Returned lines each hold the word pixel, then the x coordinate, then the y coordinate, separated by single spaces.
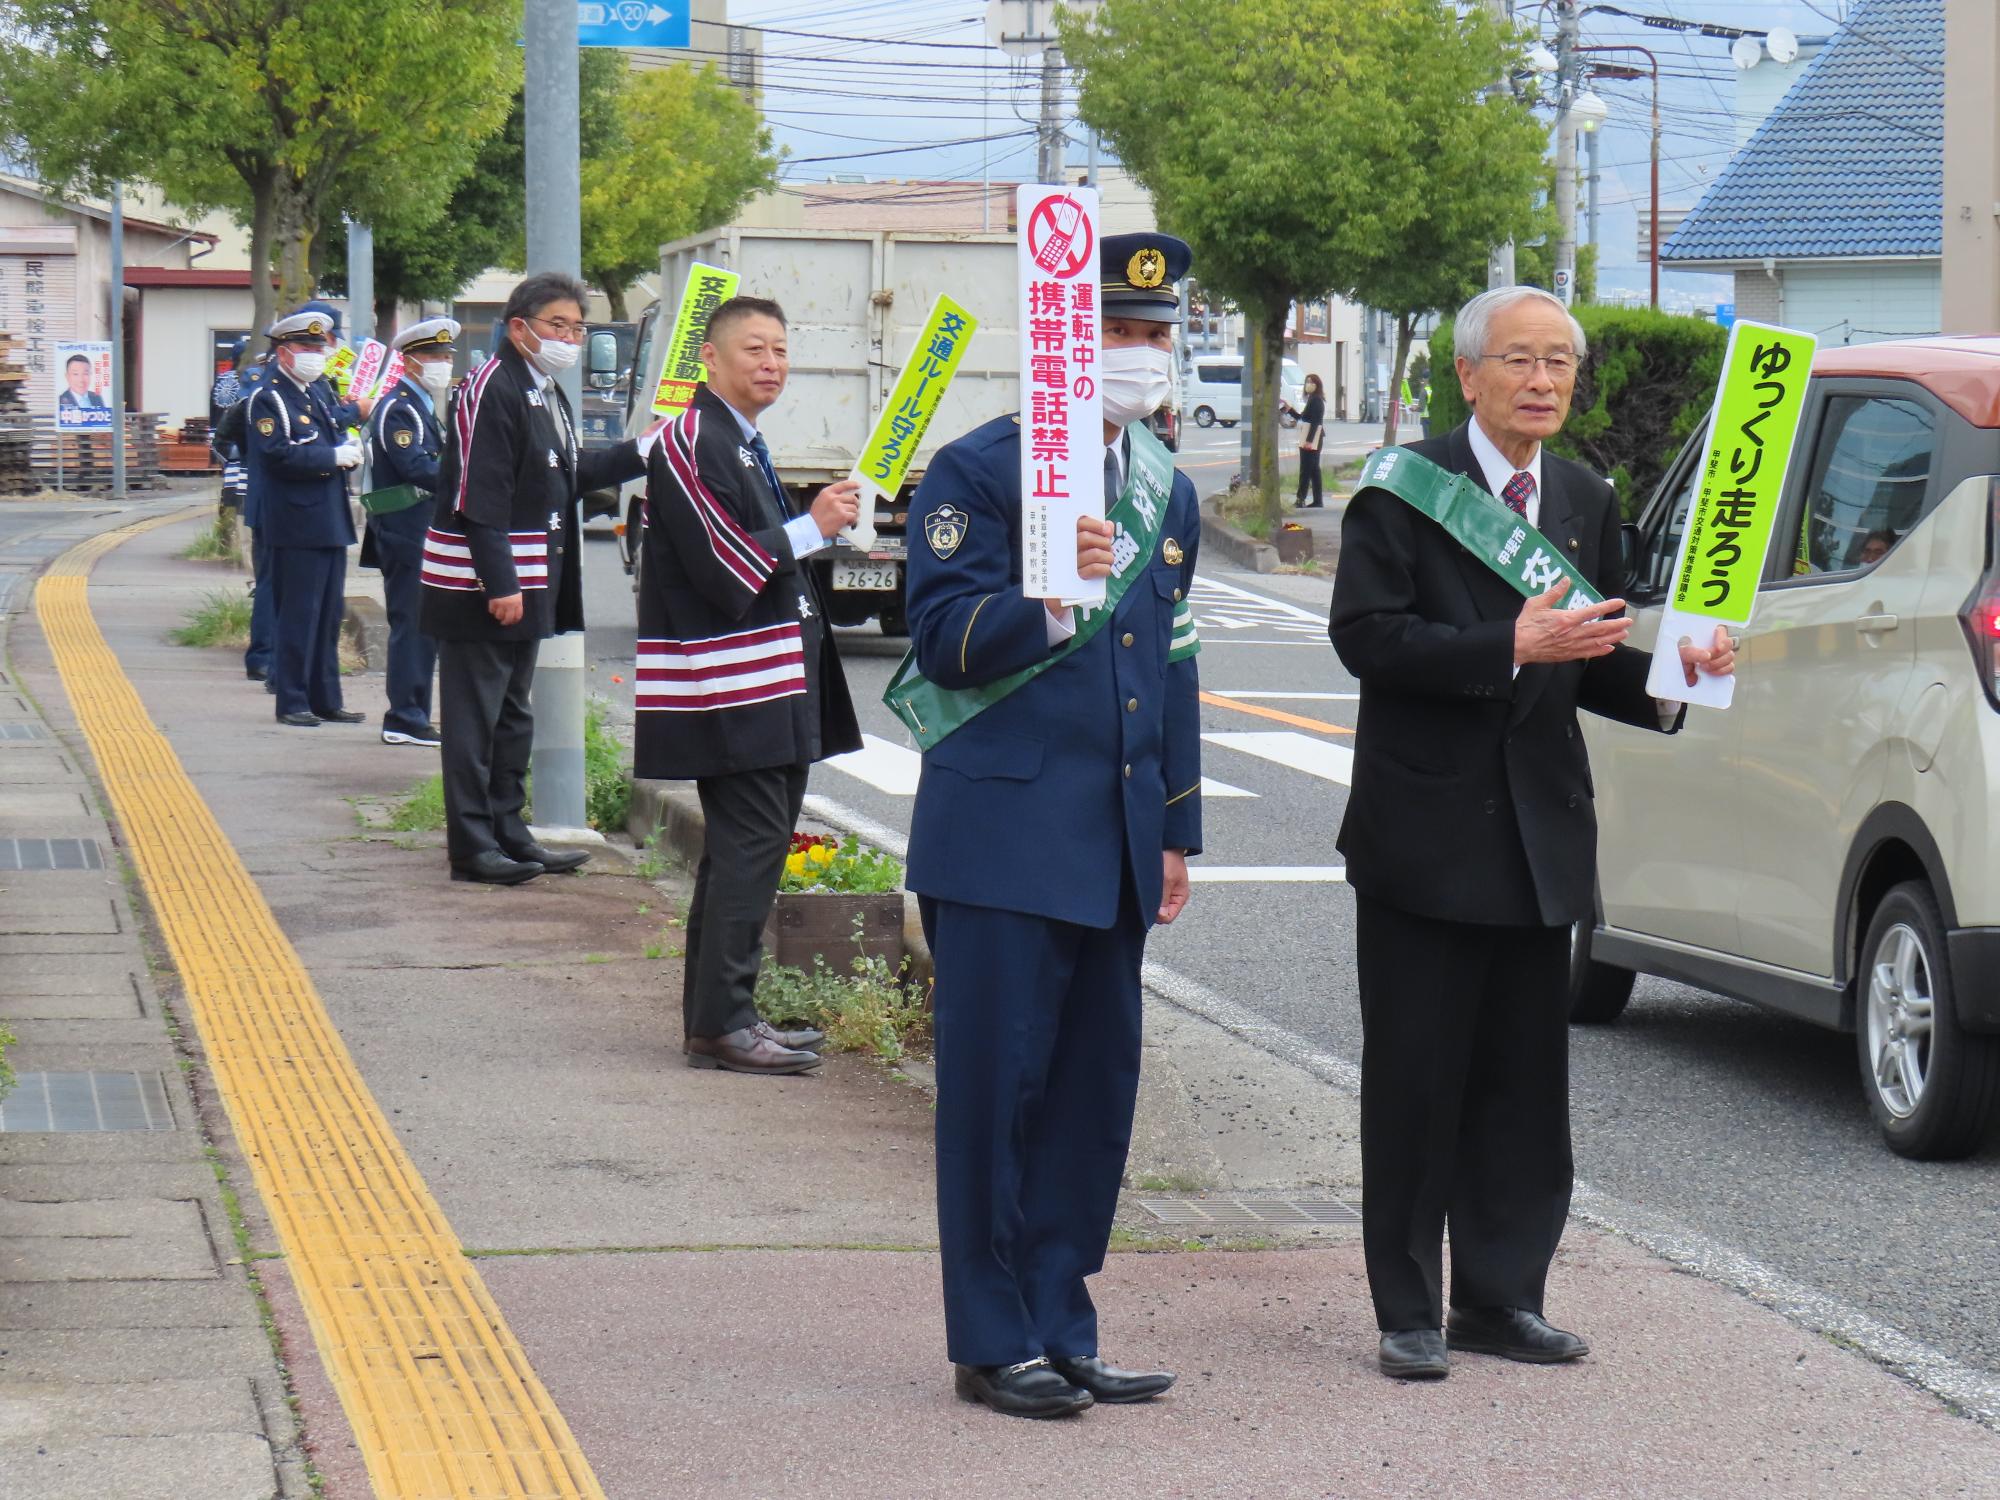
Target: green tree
pixel 286 113
pixel 1310 146
pixel 689 151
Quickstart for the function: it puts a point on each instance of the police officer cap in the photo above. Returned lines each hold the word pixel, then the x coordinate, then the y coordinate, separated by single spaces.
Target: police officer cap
pixel 307 323
pixel 1139 272
pixel 432 333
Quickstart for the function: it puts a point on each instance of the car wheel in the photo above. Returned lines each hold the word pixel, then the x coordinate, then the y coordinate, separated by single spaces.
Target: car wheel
pixel 1204 416
pixel 1931 1085
pixel 1598 993
pixel 895 618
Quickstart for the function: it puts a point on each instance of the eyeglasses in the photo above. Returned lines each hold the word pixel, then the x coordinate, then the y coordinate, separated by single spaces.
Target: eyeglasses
pixel 562 328
pixel 1521 366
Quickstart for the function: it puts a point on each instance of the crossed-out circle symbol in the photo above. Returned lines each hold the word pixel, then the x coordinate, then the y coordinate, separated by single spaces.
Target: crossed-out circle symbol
pixel 1042 226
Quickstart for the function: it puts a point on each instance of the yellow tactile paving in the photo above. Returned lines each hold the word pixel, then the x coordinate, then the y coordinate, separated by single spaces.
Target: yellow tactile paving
pixel 438 1390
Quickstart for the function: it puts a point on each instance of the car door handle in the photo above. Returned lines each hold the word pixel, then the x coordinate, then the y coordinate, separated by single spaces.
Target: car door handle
pixel 1872 624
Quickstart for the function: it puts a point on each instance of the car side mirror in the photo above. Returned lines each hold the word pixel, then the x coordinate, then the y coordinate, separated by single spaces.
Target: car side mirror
pixel 1630 547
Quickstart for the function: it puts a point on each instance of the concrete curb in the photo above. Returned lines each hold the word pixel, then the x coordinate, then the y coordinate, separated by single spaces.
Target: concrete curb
pixel 671 812
pixel 1241 548
pixel 365 627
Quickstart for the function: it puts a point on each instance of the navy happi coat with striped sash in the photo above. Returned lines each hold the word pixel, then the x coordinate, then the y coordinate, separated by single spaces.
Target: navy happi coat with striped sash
pixel 506 518
pixel 737 670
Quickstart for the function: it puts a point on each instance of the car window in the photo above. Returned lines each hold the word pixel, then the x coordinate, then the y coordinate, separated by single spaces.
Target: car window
pixel 1658 569
pixel 1870 473
pixel 640 354
pixel 1220 374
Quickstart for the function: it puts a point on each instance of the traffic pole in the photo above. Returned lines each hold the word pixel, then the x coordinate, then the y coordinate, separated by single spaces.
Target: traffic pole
pixel 117 342
pixel 1500 259
pixel 555 243
pixel 1566 86
pixel 360 281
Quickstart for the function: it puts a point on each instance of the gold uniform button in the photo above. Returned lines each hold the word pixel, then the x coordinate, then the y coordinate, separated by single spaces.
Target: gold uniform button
pixel 1131 705
pixel 1127 639
pixel 1128 772
pixel 1177 596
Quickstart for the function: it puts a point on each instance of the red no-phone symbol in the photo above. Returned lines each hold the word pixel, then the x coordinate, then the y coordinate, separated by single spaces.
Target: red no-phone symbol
pixel 1059 237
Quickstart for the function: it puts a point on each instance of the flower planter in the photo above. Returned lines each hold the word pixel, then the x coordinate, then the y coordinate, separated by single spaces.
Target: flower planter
pixel 805 925
pixel 1294 547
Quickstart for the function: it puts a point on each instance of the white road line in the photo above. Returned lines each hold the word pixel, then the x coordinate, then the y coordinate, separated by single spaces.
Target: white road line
pixel 1974 1391
pixel 1202 581
pixel 1300 752
pixel 1315 697
pixel 1201 874
pixel 893 768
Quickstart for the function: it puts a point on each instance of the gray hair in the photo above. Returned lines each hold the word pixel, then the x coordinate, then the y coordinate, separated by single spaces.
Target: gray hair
pixel 1468 334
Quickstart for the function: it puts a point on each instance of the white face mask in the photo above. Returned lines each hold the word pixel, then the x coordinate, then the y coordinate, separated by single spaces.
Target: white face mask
pixel 308 367
pixel 435 375
pixel 554 356
pixel 1137 381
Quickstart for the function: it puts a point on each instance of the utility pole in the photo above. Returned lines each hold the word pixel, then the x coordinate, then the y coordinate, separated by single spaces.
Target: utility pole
pixel 1566 90
pixel 555 243
pixel 1500 260
pixel 1590 177
pixel 1050 166
pixel 360 281
pixel 117 342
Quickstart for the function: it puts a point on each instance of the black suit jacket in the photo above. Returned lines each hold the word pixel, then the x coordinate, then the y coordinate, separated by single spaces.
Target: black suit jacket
pixel 1471 798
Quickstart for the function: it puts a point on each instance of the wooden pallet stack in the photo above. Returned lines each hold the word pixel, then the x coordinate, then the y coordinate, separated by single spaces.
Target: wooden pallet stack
pixel 14 437
pixel 28 442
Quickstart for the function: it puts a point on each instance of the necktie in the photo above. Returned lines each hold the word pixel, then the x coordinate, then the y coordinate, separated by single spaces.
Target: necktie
pixel 1519 491
pixel 770 474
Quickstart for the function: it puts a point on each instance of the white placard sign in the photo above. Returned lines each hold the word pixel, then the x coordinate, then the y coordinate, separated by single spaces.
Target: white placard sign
pixel 83 386
pixel 1062 407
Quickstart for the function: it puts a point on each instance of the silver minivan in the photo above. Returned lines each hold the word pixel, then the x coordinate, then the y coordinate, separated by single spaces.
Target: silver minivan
pixel 1827 846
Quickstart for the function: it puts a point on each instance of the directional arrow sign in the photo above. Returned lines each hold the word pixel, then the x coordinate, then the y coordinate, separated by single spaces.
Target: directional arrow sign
pixel 631 23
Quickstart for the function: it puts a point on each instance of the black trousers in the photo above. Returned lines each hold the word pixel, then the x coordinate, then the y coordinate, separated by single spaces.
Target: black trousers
pixel 488 729
pixel 412 654
pixel 1309 472
pixel 312 598
pixel 749 818
pixel 1464 1110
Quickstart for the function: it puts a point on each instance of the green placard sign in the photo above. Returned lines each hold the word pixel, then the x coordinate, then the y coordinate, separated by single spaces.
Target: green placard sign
pixel 914 401
pixel 708 287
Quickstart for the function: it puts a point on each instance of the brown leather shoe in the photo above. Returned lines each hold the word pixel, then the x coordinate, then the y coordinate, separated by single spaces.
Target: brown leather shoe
pixel 748 1051
pixel 797 1041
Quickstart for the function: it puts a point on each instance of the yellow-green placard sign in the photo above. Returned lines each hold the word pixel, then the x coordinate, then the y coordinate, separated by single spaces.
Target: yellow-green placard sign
pixel 708 287
pixel 899 431
pixel 1752 432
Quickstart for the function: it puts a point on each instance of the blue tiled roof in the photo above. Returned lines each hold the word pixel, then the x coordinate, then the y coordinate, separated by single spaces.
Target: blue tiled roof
pixel 1851 162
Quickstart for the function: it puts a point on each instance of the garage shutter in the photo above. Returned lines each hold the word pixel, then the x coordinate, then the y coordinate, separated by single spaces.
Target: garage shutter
pixel 38 311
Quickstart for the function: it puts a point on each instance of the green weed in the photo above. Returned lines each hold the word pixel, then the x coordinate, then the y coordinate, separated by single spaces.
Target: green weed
pixel 871 1008
pixel 422 807
pixel 221 619
pixel 216 544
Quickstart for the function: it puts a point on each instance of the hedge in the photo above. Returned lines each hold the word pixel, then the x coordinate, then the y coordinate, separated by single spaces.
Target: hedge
pixel 1645 385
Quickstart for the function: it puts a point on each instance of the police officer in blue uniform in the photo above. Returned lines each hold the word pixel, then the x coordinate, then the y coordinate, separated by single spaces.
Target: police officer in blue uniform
pixel 298 457
pixel 1051 830
pixel 405 442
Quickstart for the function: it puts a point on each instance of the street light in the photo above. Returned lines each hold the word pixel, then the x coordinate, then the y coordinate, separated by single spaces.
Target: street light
pixel 1653 64
pixel 1587 109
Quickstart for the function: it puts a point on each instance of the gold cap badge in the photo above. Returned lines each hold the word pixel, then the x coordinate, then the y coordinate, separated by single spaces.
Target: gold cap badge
pixel 316 328
pixel 1147 269
pixel 1172 553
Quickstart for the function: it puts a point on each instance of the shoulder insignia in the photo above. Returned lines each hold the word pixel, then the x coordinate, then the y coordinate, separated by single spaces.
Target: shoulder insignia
pixel 404 437
pixel 266 426
pixel 944 529
pixel 1172 553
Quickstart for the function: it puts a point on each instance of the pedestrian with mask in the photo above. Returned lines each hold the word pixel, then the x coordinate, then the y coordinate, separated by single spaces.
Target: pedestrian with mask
pixel 1312 439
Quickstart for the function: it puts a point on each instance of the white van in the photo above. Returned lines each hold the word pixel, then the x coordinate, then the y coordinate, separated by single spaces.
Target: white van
pixel 1214 389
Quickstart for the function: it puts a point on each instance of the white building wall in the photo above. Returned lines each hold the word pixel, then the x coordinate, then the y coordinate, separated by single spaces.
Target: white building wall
pixel 177 328
pixel 1864 302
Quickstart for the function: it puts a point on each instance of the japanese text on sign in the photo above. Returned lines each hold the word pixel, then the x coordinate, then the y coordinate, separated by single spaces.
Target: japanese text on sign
pixel 906 416
pixel 1062 420
pixel 708 287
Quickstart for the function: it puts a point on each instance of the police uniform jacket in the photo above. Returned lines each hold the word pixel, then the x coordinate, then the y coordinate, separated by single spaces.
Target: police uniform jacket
pixel 505 519
pixel 737 670
pixel 1472 798
pixel 1044 800
pixel 405 444
pixel 298 492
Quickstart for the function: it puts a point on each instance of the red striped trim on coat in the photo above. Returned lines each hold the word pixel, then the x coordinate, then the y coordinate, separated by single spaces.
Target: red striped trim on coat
pixel 747 562
pixel 448 560
pixel 723 671
pixel 465 413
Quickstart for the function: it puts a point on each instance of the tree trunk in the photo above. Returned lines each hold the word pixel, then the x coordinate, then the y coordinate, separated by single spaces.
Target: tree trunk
pixel 1405 327
pixel 1267 347
pixel 385 317
pixel 293 226
pixel 262 209
pixel 614 294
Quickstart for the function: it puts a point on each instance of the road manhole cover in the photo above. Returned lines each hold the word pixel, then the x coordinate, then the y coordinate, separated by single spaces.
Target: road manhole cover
pixel 1239 1211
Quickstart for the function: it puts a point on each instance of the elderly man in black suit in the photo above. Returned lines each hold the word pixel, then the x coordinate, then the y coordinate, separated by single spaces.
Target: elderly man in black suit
pixel 1471 845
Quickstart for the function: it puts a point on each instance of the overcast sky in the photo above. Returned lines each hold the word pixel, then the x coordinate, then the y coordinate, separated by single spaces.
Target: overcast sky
pixel 908 89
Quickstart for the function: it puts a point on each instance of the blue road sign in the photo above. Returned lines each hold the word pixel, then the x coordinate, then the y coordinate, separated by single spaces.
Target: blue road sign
pixel 631 23
pixel 1725 314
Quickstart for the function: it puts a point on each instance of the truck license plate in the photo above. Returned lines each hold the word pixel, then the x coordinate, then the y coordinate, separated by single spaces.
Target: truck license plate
pixel 877 576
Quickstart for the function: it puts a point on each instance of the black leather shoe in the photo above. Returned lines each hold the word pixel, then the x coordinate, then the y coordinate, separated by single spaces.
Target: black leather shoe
pixel 342 716
pixel 753 1049
pixel 1512 1333
pixel 1415 1354
pixel 491 867
pixel 548 859
pixel 1109 1384
pixel 795 1041
pixel 256 674
pixel 300 721
pixel 1032 1389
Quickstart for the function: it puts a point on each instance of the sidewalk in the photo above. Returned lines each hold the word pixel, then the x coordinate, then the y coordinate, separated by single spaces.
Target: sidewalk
pixel 726 1284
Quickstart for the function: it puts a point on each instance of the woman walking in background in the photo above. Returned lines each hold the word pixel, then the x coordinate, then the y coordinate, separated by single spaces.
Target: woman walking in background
pixel 1313 437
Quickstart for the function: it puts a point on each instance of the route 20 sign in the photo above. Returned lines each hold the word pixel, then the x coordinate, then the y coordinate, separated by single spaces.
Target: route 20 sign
pixel 631 23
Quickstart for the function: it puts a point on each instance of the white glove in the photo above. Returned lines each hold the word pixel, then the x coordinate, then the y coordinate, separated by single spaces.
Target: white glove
pixel 348 455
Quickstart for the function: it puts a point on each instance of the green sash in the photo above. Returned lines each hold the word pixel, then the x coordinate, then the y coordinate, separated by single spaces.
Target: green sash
pixel 931 712
pixel 1479 522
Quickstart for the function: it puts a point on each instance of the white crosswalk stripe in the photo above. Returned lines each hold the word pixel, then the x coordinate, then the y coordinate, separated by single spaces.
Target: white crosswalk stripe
pixel 1220 606
pixel 893 768
pixel 1300 752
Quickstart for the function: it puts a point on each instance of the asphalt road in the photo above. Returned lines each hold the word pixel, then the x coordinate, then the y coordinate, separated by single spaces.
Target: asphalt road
pixel 1740 1139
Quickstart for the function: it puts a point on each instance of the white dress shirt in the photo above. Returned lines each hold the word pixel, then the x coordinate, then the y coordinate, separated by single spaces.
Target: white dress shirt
pixel 801 531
